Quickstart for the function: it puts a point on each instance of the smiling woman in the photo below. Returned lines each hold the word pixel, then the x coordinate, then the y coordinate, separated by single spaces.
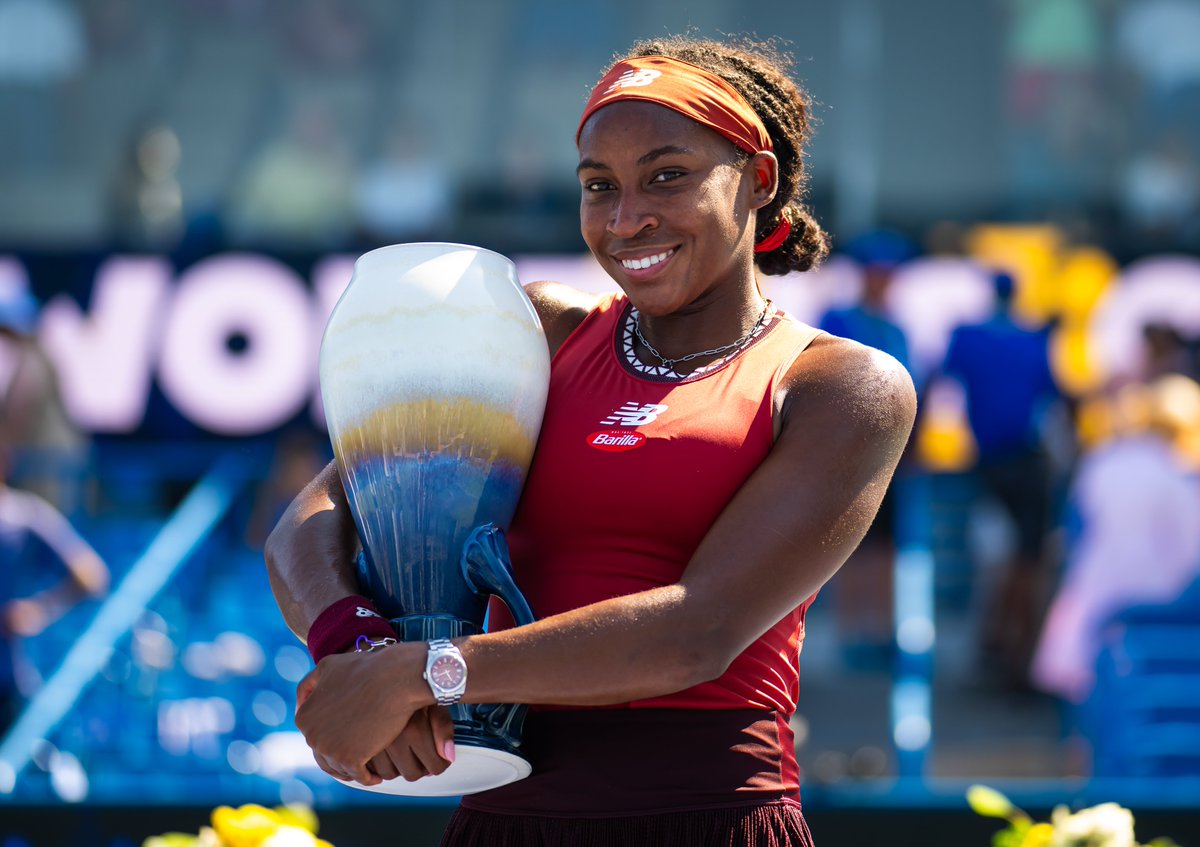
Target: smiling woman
pixel 706 463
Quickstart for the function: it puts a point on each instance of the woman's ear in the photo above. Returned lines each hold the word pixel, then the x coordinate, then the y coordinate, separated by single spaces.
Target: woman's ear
pixel 763 169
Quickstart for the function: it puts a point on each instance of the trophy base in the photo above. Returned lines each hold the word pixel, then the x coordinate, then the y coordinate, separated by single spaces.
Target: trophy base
pixel 475 769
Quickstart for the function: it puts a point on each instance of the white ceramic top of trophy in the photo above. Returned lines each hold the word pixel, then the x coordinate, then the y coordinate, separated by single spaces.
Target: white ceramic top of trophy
pixel 433 320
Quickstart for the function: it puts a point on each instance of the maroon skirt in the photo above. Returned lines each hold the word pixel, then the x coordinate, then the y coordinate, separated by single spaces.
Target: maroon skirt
pixel 635 777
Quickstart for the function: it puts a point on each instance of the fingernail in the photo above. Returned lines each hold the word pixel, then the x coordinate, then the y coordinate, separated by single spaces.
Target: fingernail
pixel 448 751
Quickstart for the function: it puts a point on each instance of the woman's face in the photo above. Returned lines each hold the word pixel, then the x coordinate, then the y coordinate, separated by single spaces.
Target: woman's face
pixel 666 208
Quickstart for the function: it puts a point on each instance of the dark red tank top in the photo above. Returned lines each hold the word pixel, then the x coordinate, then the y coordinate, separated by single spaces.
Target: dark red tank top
pixel 630 472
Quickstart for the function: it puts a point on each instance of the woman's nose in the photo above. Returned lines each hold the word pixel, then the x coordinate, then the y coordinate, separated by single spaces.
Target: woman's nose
pixel 630 216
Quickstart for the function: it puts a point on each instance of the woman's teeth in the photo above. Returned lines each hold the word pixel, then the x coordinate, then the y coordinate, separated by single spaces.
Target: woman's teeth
pixel 649 261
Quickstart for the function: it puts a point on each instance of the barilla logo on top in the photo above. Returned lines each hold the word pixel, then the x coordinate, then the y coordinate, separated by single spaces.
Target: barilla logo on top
pixel 634 79
pixel 625 419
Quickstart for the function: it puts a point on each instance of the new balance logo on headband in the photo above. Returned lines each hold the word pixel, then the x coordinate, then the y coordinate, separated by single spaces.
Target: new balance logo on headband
pixel 363 612
pixel 632 414
pixel 634 79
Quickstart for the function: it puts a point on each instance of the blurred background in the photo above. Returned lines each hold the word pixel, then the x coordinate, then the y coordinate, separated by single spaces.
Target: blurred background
pixel 1013 190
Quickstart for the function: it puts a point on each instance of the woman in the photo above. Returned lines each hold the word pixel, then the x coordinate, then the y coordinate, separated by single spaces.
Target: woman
pixel 672 584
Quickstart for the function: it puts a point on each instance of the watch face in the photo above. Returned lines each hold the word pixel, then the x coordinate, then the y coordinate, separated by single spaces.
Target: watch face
pixel 447 672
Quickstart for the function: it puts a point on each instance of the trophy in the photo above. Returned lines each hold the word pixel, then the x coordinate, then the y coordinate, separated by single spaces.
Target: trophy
pixel 434 371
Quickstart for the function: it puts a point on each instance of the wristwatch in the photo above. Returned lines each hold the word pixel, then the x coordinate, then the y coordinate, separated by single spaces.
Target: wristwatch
pixel 446 672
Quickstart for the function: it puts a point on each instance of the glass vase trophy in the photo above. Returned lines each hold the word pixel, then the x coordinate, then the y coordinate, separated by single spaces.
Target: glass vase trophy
pixel 434 372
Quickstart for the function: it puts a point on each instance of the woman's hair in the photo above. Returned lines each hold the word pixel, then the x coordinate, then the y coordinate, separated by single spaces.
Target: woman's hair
pixel 759 73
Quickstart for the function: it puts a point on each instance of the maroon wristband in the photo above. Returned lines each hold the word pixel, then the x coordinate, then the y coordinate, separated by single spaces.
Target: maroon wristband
pixel 338 627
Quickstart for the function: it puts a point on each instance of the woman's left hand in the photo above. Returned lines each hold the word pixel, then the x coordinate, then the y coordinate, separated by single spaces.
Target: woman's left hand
pixel 425 747
pixel 353 706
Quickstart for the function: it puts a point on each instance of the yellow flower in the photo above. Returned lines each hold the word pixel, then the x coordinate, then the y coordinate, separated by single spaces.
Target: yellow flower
pixel 247 826
pixel 250 826
pixel 1039 835
pixel 297 814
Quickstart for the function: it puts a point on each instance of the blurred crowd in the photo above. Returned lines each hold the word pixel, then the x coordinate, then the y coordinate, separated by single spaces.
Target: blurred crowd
pixel 176 126
pixel 1095 489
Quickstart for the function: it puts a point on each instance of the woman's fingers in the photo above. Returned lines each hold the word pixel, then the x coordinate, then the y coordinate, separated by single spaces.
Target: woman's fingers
pixel 420 749
pixel 337 771
pixel 383 766
pixel 417 746
pixel 442 726
pixel 409 765
pixel 306 687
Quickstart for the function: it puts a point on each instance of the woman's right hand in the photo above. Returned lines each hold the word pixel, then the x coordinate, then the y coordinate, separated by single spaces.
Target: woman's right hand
pixel 423 747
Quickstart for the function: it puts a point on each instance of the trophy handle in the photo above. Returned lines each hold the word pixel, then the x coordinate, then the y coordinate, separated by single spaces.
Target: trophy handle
pixel 487 569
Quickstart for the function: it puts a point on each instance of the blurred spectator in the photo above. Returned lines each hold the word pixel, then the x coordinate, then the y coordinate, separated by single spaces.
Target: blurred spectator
pixel 147 201
pixel 1054 106
pixel 1158 39
pixel 33 535
pixel 1160 192
pixel 325 35
pixel 867 321
pixel 864 590
pixel 46 450
pixel 404 194
pixel 42 44
pixel 1004 369
pixel 523 208
pixel 1139 540
pixel 41 41
pixel 1166 352
pixel 297 192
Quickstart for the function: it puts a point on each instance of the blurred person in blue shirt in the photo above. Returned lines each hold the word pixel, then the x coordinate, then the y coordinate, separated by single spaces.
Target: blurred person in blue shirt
pixel 863 592
pixel 867 322
pixel 1004 369
pixel 34 536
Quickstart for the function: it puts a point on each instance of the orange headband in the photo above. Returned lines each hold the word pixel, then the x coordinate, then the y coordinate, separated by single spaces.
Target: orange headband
pixel 684 88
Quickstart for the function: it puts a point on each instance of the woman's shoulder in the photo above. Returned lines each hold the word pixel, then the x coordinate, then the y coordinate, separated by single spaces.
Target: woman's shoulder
pixel 841 380
pixel 561 309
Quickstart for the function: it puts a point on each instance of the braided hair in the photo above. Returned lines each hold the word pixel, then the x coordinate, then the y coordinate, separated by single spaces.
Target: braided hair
pixel 759 73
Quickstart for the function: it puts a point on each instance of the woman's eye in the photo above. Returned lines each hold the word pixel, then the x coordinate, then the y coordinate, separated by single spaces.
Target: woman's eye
pixel 597 185
pixel 666 176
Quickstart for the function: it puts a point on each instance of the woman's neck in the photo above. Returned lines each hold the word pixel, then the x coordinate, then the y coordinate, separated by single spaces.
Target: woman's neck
pixel 710 323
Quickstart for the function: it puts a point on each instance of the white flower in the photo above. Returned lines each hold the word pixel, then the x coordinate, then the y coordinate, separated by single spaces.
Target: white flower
pixel 289 836
pixel 1106 825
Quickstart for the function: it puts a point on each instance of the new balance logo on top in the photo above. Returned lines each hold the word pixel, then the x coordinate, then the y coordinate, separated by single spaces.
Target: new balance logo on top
pixel 363 612
pixel 634 79
pixel 632 414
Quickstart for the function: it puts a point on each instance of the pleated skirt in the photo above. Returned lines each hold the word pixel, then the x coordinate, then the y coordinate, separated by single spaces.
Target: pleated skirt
pixel 652 777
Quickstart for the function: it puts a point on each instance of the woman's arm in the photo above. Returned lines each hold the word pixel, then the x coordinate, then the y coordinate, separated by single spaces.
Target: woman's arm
pixel 87 575
pixel 310 552
pixel 846 414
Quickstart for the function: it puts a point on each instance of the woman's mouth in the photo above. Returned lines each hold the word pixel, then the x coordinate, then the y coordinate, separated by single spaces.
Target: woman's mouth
pixel 647 262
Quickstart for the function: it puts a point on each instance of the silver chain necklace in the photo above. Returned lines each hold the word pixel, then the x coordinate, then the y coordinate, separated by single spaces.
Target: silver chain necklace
pixel 728 349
